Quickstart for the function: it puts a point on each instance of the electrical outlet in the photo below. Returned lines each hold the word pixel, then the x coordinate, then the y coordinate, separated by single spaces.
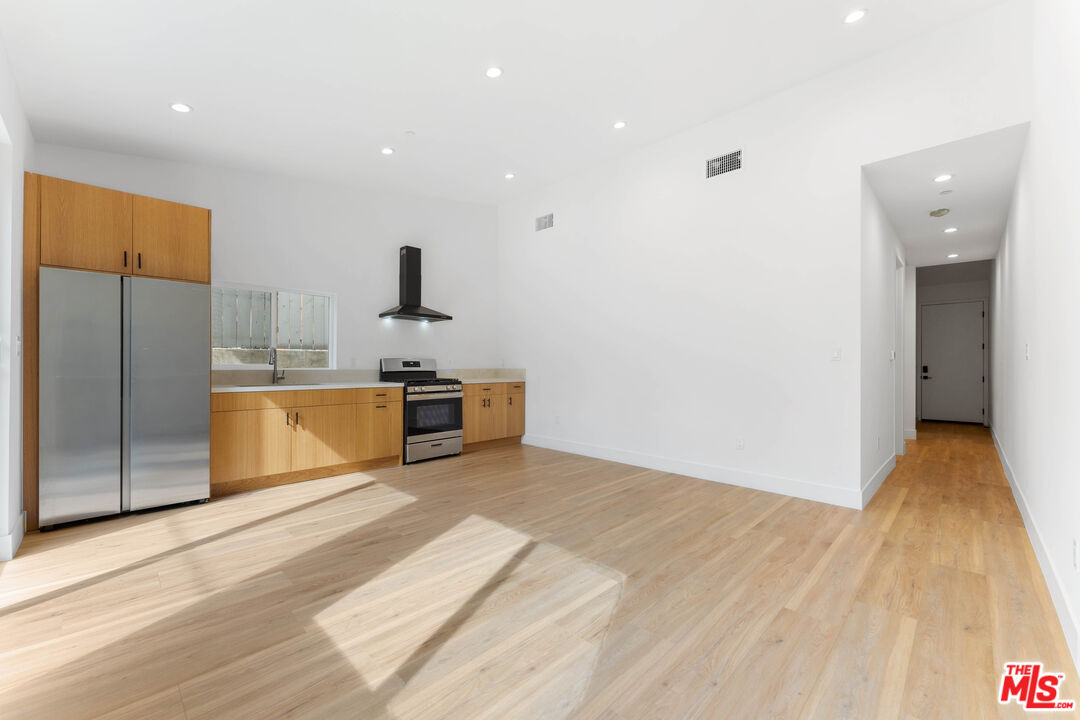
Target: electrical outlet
pixel 1027 351
pixel 892 355
pixel 836 354
pixel 740 443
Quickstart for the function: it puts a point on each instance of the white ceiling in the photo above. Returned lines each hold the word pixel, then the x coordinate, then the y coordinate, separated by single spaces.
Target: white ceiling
pixel 984 170
pixel 317 88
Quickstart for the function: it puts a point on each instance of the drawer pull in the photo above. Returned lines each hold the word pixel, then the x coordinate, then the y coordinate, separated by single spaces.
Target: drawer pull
pixel 380 394
pixel 485 388
pixel 380 407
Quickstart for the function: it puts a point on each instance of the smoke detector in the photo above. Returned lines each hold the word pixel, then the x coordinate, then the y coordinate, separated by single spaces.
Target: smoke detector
pixel 940 212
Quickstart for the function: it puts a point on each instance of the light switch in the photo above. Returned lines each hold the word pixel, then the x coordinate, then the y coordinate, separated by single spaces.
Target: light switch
pixel 836 355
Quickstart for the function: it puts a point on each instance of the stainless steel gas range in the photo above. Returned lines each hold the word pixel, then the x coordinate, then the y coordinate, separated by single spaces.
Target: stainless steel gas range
pixel 432 408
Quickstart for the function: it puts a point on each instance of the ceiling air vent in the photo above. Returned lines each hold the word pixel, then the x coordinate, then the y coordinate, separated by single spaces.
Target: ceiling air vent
pixel 723 164
pixel 545 221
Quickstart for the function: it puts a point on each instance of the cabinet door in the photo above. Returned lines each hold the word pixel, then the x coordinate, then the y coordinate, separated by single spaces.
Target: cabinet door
pixel 475 419
pixel 483 418
pixel 324 435
pixel 515 414
pixel 249 443
pixel 381 428
pixel 171 240
pixel 85 227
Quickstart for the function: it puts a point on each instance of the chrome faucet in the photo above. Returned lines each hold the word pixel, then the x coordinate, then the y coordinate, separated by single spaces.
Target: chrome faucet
pixel 278 375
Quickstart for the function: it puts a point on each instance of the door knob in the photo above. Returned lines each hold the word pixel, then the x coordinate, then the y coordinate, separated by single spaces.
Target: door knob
pixel 927 377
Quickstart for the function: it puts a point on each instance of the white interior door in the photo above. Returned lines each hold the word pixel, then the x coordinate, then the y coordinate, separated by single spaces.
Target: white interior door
pixel 952 362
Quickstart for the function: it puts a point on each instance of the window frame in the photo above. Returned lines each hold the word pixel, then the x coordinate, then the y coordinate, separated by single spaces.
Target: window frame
pixel 331 320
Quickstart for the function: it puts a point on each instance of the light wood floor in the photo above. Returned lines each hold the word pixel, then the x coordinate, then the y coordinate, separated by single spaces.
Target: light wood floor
pixel 527 583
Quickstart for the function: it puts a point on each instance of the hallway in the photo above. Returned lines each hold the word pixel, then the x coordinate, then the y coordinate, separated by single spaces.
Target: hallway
pixel 957 558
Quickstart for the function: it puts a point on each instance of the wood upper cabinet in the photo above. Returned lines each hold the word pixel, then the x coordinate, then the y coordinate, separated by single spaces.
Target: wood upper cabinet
pixel 171 240
pixel 85 227
pixel 381 428
pixel 249 443
pixel 325 435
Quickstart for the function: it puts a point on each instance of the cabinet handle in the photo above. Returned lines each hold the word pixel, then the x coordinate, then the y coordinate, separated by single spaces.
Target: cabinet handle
pixel 125 258
pixel 286 419
pixel 296 420
pixel 140 260
pixel 380 394
pixel 380 407
pixel 486 389
pixel 511 399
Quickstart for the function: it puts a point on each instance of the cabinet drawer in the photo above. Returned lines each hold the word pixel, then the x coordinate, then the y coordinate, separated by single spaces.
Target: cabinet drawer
pixel 484 389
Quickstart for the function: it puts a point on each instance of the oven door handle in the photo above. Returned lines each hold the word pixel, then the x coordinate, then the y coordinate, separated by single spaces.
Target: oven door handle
pixel 434 396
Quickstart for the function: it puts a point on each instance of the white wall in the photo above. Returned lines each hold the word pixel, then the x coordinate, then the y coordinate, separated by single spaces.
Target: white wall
pixel 880 251
pixel 1036 297
pixel 665 316
pixel 16 147
pixel 293 233
pixel 911 361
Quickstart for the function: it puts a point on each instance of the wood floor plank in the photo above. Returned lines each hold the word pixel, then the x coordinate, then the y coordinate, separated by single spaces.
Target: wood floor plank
pixel 523 582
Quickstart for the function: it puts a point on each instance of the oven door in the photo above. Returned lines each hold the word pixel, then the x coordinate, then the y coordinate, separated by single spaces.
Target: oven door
pixel 432 416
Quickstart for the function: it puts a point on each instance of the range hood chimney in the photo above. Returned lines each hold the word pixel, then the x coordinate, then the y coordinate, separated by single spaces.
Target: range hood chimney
pixel 409 307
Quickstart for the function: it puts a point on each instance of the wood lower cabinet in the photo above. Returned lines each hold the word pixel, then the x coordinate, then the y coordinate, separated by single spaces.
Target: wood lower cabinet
pixel 85 227
pixel 383 423
pixel 171 240
pixel 515 414
pixel 249 443
pixel 259 439
pixel 325 435
pixel 493 411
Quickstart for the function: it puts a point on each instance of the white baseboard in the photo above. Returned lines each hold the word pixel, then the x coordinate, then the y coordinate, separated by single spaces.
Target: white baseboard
pixel 9 544
pixel 1069 624
pixel 909 433
pixel 757 481
pixel 871 486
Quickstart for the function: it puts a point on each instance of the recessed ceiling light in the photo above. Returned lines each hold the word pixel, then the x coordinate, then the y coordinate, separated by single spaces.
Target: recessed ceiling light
pixel 954 255
pixel 619 124
pixel 943 178
pixel 940 212
pixel 509 176
pixel 855 16
pixel 493 72
pixel 181 107
pixel 388 151
pixel 950 230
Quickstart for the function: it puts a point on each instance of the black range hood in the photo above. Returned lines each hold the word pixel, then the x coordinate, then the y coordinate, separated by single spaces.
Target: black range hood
pixel 409 307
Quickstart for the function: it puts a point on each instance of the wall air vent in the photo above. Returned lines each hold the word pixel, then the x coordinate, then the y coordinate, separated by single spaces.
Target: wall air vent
pixel 545 221
pixel 723 164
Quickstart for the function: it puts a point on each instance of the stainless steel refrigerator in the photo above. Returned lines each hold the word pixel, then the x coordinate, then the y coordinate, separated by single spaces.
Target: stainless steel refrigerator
pixel 124 394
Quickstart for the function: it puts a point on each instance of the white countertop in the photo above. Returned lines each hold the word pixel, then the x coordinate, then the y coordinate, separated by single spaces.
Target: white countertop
pixel 313 386
pixel 487 381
